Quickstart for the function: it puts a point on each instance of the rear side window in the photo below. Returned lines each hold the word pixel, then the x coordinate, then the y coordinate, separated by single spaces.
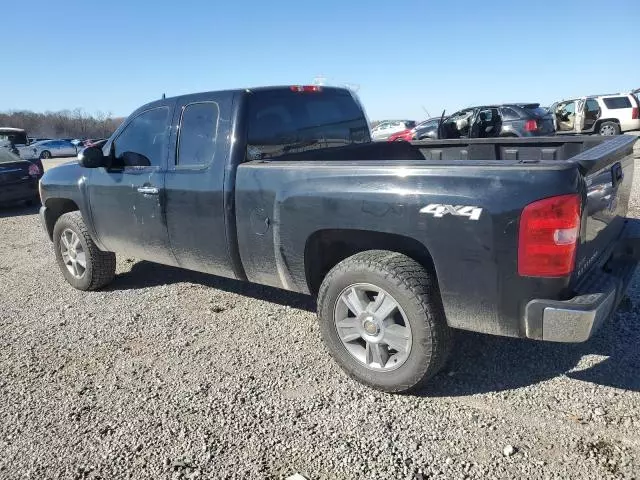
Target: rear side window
pixel 617 102
pixel 537 112
pixel 282 122
pixel 510 114
pixel 198 134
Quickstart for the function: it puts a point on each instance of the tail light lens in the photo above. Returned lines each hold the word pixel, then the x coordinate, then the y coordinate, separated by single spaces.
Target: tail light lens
pixel 531 126
pixel 548 237
pixel 34 170
pixel 634 113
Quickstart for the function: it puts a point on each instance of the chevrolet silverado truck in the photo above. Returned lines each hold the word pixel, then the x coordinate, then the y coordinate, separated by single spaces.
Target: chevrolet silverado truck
pixel 401 243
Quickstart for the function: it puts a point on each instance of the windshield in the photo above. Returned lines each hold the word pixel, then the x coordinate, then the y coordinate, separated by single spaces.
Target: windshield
pixel 282 122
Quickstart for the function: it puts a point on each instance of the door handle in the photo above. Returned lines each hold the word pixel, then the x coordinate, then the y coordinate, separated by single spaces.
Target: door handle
pixel 147 190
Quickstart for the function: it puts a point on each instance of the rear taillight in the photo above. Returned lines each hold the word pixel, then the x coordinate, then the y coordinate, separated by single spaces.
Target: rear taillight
pixel 531 126
pixel 634 113
pixel 34 170
pixel 305 88
pixel 548 237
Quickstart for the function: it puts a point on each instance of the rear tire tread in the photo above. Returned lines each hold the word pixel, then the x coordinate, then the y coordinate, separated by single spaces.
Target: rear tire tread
pixel 407 274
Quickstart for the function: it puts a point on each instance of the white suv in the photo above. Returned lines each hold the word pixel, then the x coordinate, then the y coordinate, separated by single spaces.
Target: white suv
pixel 600 114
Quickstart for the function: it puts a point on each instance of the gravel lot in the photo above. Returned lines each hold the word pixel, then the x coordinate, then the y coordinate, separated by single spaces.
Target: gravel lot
pixel 173 374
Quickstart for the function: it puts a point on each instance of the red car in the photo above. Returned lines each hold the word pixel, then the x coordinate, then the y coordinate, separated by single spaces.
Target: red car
pixel 403 136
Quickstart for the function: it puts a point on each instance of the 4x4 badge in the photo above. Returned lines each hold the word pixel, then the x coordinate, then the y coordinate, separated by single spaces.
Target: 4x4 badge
pixel 439 210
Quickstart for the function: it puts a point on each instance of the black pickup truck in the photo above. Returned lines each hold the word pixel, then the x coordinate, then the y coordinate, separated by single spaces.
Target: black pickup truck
pixel 399 242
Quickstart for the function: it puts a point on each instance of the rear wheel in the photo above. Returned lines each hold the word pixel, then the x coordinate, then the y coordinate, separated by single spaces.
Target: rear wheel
pixel 82 263
pixel 45 154
pixel 609 128
pixel 382 320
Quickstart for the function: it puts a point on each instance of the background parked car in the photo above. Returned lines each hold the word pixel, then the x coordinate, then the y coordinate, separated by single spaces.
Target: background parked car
pixel 412 133
pixel 14 137
pixel 18 178
pixel 508 120
pixel 386 128
pixel 49 149
pixel 93 143
pixel 37 139
pixel 600 114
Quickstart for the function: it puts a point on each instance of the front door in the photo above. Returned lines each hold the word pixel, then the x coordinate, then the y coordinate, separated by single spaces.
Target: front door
pixel 195 193
pixel 127 199
pixel 565 114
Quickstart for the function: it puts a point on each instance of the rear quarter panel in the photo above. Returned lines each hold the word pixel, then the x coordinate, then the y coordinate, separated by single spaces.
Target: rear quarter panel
pixel 279 206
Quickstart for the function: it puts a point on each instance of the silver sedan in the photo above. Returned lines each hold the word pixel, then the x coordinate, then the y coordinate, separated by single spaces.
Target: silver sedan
pixel 50 149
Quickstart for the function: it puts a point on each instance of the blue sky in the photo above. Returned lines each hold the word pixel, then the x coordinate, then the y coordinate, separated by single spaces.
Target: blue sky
pixel 406 56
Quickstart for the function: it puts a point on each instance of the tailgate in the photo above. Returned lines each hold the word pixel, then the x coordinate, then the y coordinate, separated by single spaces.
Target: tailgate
pixel 608 174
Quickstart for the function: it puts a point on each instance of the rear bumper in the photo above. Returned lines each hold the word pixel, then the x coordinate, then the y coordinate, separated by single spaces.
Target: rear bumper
pixel 27 190
pixel 597 296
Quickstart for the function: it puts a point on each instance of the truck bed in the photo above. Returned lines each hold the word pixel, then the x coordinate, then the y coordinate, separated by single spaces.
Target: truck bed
pixel 522 150
pixel 291 208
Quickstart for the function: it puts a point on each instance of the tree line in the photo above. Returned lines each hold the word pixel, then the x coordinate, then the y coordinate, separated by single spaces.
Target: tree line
pixel 64 124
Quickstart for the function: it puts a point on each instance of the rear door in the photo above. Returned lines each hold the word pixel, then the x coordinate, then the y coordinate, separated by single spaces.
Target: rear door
pixel 590 114
pixel 195 183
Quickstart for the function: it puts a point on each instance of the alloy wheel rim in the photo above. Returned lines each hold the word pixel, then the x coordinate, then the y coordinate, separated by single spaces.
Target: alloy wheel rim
pixel 372 327
pixel 73 255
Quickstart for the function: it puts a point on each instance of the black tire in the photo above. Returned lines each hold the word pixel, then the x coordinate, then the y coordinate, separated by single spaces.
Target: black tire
pixel 45 154
pixel 609 128
pixel 100 266
pixel 416 291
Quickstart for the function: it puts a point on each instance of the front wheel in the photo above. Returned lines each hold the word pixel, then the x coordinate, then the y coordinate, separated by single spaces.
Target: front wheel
pixel 609 128
pixel 382 320
pixel 82 263
pixel 46 154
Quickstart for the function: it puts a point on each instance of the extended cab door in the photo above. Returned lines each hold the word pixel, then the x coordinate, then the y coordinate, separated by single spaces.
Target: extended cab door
pixel 195 183
pixel 127 199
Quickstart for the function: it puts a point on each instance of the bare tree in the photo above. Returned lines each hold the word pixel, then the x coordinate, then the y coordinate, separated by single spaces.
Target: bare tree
pixel 71 124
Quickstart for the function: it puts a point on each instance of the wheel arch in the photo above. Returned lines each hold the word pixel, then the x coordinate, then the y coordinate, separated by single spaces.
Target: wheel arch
pixel 55 208
pixel 324 249
pixel 600 121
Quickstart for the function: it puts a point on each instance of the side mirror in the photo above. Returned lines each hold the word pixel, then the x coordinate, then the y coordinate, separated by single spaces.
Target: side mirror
pixel 92 157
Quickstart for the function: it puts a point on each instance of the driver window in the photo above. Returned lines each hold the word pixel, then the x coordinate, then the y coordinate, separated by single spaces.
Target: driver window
pixel 143 142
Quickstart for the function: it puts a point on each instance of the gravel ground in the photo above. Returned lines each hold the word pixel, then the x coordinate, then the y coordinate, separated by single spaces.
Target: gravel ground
pixel 173 374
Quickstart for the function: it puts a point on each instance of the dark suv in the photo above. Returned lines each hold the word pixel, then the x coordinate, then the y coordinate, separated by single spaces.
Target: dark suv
pixel 509 120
